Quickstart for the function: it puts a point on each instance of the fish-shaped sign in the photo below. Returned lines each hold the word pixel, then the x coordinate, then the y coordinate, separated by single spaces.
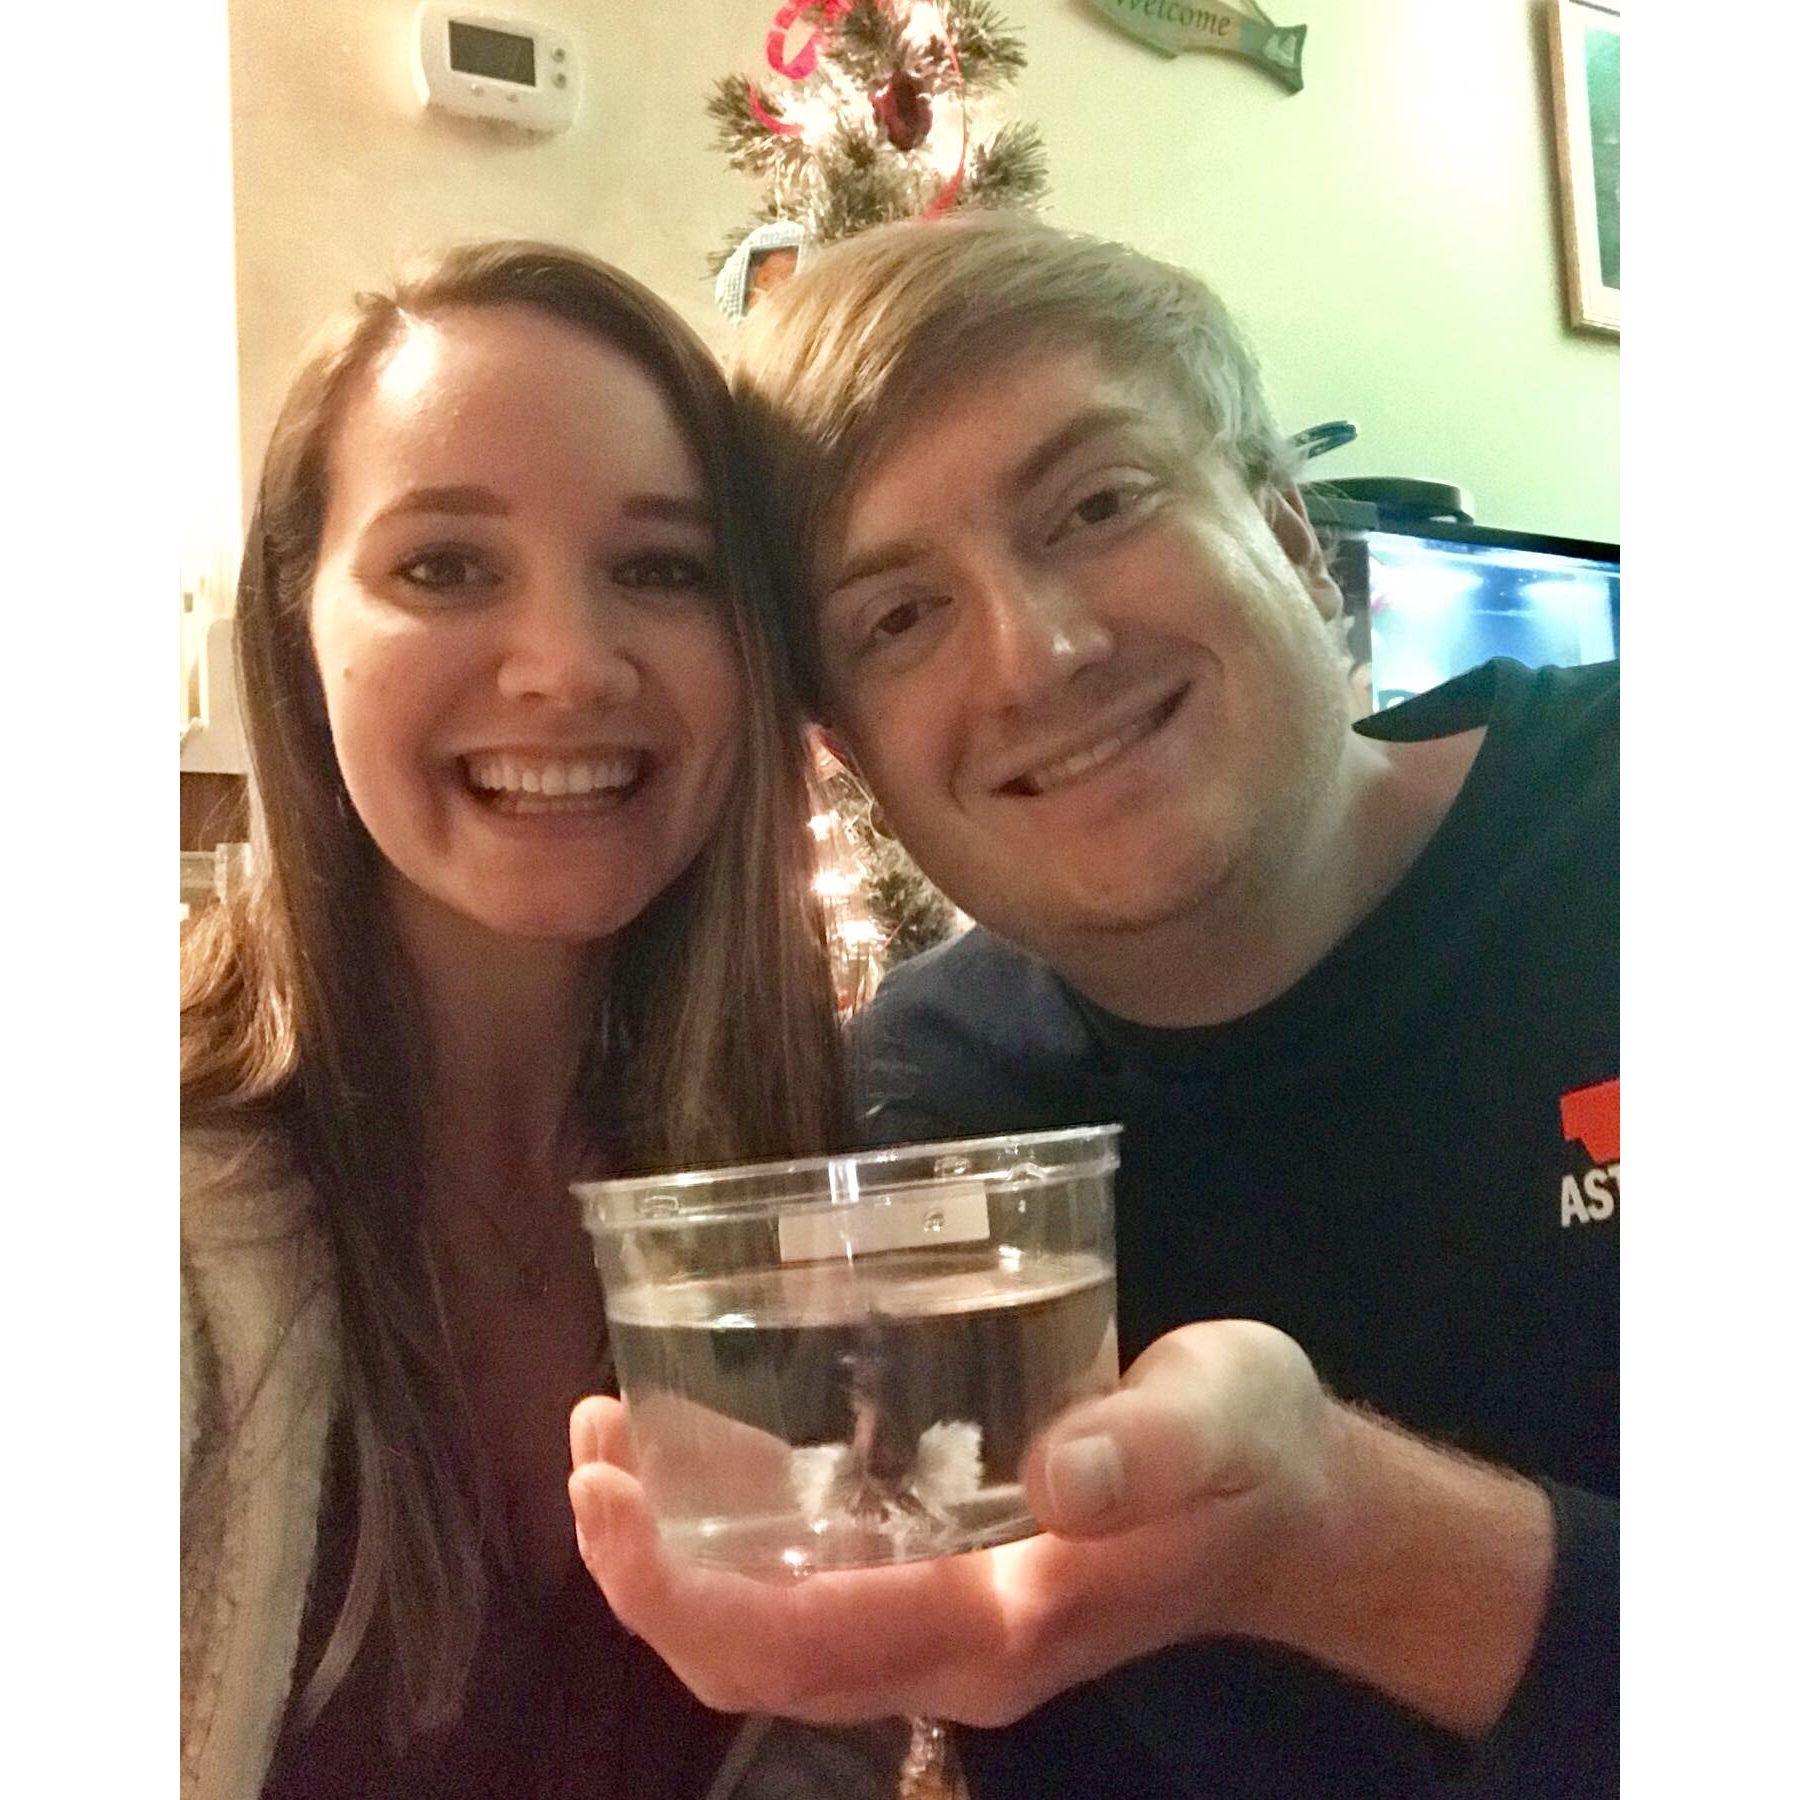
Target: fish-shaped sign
pixel 1172 26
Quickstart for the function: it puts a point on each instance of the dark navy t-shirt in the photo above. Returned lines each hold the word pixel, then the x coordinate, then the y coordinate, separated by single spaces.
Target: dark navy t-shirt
pixel 1409 1162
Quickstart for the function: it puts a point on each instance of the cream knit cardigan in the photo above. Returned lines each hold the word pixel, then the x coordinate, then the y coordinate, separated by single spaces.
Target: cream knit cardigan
pixel 259 1358
pixel 258 1371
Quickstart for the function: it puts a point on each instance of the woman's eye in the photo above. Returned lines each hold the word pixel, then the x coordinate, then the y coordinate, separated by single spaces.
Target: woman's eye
pixel 445 571
pixel 663 569
pixel 896 621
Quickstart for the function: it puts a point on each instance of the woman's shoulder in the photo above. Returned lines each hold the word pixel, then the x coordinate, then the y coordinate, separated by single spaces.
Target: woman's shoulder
pixel 239 1185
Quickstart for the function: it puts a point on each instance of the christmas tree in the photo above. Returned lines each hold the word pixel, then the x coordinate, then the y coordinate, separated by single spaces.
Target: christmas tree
pixel 875 110
pixel 880 908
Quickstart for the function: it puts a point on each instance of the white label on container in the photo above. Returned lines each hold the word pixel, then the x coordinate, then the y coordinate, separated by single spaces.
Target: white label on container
pixel 953 1214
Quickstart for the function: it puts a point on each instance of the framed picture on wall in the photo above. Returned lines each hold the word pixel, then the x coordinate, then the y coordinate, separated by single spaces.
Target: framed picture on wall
pixel 1584 86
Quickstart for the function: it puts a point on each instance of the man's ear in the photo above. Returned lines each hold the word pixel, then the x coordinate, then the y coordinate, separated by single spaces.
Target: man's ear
pixel 1286 514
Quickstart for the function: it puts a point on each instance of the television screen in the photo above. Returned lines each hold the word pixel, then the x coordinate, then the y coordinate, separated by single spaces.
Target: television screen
pixel 1431 602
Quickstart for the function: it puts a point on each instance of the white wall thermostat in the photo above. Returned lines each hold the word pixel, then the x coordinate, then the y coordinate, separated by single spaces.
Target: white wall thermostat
pixel 494 66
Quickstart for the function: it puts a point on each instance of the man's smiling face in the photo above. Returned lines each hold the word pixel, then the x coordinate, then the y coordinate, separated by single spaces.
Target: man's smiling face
pixel 1086 674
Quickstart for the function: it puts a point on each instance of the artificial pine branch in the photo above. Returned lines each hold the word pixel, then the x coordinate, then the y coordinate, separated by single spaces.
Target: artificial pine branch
pixel 728 106
pixel 747 142
pixel 1011 170
pixel 867 44
pixel 990 52
pixel 858 177
pixel 858 186
pixel 910 912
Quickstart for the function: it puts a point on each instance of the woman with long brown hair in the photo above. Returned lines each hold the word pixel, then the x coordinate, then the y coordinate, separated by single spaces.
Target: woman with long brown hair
pixel 528 903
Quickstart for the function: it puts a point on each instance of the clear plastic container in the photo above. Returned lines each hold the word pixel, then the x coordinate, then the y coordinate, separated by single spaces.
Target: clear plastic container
pixel 842 1361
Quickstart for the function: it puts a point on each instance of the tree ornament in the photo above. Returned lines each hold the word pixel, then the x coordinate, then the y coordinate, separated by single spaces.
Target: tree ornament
pixel 903 110
pixel 763 259
pixel 870 111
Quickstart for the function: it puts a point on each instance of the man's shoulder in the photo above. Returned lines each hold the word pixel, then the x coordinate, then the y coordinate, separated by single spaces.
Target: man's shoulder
pixel 1547 774
pixel 1552 702
pixel 963 1038
pixel 975 977
pixel 984 993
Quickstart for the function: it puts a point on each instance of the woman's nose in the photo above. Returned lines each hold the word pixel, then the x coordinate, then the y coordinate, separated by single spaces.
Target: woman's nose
pixel 572 646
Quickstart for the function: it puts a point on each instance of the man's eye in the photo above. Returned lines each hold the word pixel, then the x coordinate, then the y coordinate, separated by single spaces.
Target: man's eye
pixel 1101 507
pixel 896 621
pixel 445 571
pixel 888 628
pixel 663 569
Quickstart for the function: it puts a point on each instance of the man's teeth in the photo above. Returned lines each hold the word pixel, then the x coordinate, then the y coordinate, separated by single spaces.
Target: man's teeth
pixel 1061 773
pixel 553 777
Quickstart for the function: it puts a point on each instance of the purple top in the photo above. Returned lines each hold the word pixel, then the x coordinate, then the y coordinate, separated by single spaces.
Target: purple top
pixel 562 1703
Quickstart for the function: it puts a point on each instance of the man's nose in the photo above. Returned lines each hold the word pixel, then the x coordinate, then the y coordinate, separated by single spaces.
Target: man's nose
pixel 571 643
pixel 1039 630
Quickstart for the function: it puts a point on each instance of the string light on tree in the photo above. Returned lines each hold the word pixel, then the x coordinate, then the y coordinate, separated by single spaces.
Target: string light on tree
pixel 879 908
pixel 871 111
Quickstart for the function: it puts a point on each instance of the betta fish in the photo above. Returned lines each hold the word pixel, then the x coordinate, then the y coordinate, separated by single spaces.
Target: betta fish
pixel 885 1479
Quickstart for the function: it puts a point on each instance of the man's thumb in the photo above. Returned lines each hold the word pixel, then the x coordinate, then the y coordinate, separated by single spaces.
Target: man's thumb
pixel 1116 1463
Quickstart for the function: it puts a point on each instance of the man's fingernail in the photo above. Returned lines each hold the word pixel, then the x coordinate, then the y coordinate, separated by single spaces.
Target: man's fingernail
pixel 1086 1478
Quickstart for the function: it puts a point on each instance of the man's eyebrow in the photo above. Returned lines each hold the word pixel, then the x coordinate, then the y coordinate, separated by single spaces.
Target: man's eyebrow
pixel 1091 422
pixel 897 553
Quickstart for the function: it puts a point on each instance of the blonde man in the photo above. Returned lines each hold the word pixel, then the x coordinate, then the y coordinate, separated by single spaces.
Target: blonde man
pixel 1345 985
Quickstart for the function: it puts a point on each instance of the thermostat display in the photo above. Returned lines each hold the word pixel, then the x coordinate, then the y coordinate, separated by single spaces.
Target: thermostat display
pixel 503 55
pixel 490 66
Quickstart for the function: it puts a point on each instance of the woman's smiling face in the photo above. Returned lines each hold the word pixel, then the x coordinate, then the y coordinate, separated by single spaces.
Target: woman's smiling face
pixel 529 666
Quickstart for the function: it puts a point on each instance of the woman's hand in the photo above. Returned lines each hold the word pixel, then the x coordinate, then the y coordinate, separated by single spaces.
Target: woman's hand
pixel 1170 1508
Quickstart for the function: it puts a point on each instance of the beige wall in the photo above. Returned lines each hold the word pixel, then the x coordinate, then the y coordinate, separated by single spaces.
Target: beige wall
pixel 1388 236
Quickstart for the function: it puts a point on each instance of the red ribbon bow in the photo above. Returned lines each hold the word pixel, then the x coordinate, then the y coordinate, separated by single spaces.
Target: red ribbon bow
pixel 804 60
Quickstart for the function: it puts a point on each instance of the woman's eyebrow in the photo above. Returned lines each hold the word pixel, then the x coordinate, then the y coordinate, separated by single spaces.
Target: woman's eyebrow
pixel 468 500
pixel 679 509
pixel 473 501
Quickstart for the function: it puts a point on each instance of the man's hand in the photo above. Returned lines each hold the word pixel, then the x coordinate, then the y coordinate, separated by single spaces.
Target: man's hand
pixel 1218 1491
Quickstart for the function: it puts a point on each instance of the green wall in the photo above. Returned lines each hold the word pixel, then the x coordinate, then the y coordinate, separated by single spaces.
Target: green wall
pixel 1388 236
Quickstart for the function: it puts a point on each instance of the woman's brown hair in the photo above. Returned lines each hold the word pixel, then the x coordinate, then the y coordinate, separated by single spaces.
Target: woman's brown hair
pixel 715 1040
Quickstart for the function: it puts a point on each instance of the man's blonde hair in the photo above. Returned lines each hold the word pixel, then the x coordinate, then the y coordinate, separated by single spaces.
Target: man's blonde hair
pixel 833 365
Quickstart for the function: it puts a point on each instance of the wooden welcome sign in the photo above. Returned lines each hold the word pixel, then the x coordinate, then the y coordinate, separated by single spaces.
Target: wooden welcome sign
pixel 1174 26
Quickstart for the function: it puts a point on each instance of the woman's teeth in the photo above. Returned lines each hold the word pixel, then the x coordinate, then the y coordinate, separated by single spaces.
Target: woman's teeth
pixel 512 781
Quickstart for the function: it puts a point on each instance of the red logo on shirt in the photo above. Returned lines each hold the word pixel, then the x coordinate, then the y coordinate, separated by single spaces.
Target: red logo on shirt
pixel 1590 1117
